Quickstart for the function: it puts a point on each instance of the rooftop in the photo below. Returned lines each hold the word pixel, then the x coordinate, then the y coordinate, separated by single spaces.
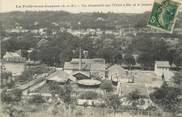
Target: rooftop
pixel 97 64
pixel 89 82
pixel 162 63
pixel 11 54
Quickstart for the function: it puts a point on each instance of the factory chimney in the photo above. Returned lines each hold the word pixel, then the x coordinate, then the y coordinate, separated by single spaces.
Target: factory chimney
pixel 80 59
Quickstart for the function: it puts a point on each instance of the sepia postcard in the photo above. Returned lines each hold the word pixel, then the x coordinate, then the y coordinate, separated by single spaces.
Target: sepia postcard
pixel 91 58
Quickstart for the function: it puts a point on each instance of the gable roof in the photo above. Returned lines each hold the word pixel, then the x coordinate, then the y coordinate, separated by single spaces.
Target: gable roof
pixel 162 63
pixel 11 55
pixel 116 69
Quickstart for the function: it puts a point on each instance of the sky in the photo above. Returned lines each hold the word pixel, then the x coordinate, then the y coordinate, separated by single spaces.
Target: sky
pixel 77 6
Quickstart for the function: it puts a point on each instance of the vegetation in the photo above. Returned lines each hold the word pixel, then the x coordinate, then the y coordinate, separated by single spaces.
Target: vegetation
pixel 67 98
pixel 115 50
pixel 37 99
pixel 28 74
pixel 134 95
pixel 89 95
pixel 13 96
pixel 166 97
pixel 178 78
pixel 151 50
pixel 113 101
pixel 107 86
pixel 148 46
pixel 7 80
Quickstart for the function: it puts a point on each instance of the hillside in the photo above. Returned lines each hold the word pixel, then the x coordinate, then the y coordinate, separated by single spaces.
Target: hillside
pixel 88 20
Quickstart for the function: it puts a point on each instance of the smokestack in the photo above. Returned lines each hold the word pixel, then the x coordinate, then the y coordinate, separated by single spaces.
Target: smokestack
pixel 80 59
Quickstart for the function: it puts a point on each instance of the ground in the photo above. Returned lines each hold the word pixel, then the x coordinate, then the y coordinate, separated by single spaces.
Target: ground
pixel 147 77
pixel 89 112
pixel 15 68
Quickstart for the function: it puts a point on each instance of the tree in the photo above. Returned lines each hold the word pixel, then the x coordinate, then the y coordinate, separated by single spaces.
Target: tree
pixel 24 53
pixel 55 89
pixel 34 55
pixel 133 97
pixel 107 86
pixel 166 97
pixel 37 99
pixel 152 49
pixel 67 99
pixel 26 75
pixel 118 58
pixel 3 52
pixel 6 80
pixel 113 101
pixel 13 96
pixel 145 60
pixel 178 78
pixel 129 60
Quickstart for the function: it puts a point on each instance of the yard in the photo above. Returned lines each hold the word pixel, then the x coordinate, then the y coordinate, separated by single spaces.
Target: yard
pixel 147 77
pixel 15 68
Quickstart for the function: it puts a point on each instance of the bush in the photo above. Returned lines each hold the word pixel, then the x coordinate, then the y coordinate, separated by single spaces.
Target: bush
pixel 79 113
pixel 107 86
pixel 89 95
pixel 28 74
pixel 166 97
pixel 135 95
pixel 11 96
pixel 37 99
pixel 113 101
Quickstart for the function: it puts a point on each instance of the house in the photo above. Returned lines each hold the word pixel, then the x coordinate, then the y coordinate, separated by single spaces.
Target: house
pixel 161 67
pixel 117 73
pixel 86 68
pixel 59 77
pixel 13 57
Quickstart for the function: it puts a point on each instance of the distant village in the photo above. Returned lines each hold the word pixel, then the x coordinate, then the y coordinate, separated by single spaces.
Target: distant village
pixel 47 74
